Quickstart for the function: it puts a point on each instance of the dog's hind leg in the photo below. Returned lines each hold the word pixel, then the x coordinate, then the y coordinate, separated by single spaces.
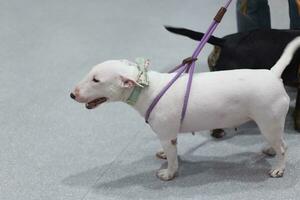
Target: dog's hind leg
pixel 272 129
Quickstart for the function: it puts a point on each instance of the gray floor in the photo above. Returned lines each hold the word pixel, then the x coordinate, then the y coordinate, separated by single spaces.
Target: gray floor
pixel 53 148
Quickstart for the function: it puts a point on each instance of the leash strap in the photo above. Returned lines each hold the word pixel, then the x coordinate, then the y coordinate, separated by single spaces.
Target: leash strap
pixel 188 66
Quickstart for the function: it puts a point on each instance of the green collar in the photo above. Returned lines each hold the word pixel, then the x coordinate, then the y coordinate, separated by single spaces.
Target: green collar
pixel 142 80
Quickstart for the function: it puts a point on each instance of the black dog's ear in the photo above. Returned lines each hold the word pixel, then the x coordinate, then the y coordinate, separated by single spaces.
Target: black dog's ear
pixel 195 35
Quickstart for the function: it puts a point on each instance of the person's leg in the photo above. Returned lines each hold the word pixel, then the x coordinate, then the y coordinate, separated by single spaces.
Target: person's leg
pixel 294 11
pixel 253 14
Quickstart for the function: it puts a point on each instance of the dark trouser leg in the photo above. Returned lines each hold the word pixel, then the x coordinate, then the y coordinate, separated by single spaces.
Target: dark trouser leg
pixel 253 14
pixel 297 112
pixel 297 107
pixel 294 11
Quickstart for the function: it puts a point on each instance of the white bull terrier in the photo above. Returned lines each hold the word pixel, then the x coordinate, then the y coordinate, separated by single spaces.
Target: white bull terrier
pixel 220 99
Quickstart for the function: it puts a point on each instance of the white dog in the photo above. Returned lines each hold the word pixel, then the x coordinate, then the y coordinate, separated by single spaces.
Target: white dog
pixel 218 100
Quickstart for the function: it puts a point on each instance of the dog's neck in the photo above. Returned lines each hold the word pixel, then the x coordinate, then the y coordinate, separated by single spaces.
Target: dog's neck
pixel 147 94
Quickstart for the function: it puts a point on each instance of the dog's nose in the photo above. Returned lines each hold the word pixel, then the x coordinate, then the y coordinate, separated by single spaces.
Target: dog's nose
pixel 72 96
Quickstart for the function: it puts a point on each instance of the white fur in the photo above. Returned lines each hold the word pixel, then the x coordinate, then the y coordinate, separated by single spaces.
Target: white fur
pixel 218 100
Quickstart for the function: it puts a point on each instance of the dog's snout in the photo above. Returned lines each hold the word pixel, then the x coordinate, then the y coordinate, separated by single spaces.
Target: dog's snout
pixel 72 96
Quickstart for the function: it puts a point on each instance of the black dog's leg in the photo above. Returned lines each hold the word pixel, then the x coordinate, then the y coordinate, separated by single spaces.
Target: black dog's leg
pixel 217 133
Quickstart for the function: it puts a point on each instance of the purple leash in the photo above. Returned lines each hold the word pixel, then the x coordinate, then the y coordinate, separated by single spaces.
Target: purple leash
pixel 188 66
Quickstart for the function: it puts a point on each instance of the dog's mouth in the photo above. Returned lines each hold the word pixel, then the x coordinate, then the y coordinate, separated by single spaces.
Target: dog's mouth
pixel 95 103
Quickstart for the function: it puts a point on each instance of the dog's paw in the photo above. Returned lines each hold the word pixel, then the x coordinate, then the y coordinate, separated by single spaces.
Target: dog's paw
pixel 269 151
pixel 276 173
pixel 165 175
pixel 161 155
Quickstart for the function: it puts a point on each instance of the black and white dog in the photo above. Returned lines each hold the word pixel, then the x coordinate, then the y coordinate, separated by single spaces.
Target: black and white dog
pixel 257 49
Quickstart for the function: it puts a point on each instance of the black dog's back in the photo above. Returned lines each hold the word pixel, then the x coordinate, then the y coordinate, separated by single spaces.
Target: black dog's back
pixel 257 49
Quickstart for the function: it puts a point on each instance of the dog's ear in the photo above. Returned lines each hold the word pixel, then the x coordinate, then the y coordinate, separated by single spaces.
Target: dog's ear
pixel 128 83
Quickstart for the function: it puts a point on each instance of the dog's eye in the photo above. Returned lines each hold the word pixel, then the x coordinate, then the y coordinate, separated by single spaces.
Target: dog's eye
pixel 95 80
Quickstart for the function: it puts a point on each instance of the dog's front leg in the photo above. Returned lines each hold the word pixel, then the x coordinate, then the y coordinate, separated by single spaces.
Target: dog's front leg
pixel 170 149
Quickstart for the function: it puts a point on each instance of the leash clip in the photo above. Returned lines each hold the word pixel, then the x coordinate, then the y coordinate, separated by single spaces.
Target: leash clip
pixel 188 61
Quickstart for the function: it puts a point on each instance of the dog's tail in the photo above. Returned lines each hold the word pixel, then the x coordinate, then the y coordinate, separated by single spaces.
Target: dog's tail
pixel 195 35
pixel 286 57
